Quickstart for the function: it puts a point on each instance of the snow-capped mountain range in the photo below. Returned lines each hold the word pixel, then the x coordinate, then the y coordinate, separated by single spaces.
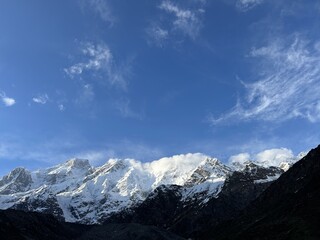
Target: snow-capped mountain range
pixel 77 192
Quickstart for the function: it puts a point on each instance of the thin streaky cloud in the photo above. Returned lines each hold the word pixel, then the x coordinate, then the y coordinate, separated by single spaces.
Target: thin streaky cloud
pixel 186 21
pixel 98 57
pixel 288 84
pixel 157 35
pixel 124 108
pixel 102 8
pixel 246 5
pixel 99 61
pixel 53 151
pixel 41 99
pixel 177 22
pixel 136 150
pixel 86 94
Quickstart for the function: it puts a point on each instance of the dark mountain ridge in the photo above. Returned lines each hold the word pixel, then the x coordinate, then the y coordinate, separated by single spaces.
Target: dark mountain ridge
pixel 288 209
pixel 20 225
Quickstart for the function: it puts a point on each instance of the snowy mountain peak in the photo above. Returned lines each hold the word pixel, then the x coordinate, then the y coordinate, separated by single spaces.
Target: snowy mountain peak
pixel 239 165
pixel 16 173
pixel 78 163
pixel 116 164
pixel 72 166
pixel 214 163
pixel 250 167
pixel 209 169
pixel 17 180
pixel 210 162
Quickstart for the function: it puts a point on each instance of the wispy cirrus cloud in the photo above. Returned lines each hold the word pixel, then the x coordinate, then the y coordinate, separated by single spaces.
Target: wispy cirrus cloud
pixel 54 151
pixel 102 8
pixel 121 149
pixel 157 35
pixel 288 84
pixel 124 108
pixel 98 60
pixel 246 5
pixel 185 20
pixel 135 149
pixel 96 57
pixel 180 19
pixel 58 99
pixel 61 107
pixel 13 149
pixel 86 94
pixel 41 99
pixel 7 101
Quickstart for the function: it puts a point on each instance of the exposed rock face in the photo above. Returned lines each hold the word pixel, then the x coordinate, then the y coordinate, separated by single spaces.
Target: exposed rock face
pixel 47 205
pixel 210 168
pixel 19 180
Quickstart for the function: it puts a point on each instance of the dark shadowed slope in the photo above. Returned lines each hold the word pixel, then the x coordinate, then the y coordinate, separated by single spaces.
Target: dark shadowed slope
pixel 130 231
pixel 288 209
pixel 19 225
pixel 239 190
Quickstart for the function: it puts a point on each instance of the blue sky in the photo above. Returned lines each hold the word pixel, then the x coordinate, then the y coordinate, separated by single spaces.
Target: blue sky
pixel 146 79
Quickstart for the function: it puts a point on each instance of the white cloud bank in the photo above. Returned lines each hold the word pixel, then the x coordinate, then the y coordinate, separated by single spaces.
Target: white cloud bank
pixel 240 158
pixel 288 84
pixel 274 157
pixel 7 101
pixel 270 157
